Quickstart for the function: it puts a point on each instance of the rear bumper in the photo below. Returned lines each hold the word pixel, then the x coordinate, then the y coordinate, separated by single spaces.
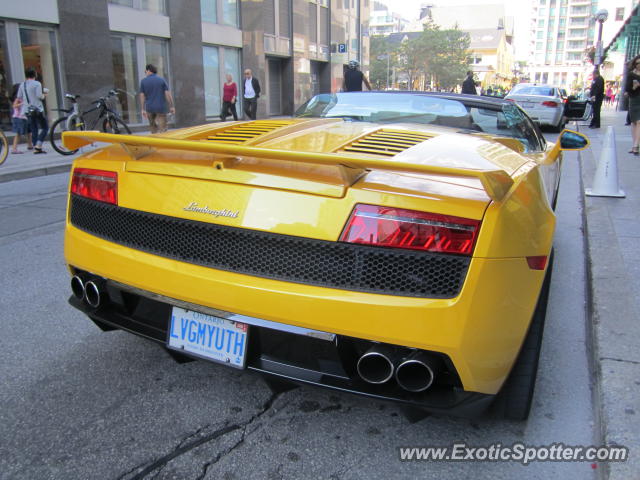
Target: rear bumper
pixel 305 360
pixel 480 331
pixel 546 117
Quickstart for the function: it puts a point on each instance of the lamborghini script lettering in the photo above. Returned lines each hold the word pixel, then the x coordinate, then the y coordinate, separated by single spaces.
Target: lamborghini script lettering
pixel 193 207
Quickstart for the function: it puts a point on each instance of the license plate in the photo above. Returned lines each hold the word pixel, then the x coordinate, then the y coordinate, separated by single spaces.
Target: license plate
pixel 208 337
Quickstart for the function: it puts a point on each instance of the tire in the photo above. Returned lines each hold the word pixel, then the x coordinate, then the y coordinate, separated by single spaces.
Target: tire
pixel 55 135
pixel 115 125
pixel 513 402
pixel 4 147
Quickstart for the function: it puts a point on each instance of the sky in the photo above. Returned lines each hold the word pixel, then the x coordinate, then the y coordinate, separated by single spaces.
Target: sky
pixel 519 9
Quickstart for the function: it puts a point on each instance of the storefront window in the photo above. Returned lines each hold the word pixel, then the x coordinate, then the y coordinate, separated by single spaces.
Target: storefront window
pixel 40 52
pixel 218 62
pixel 156 54
pixel 5 85
pixel 129 66
pixel 125 74
pixel 232 66
pixel 212 100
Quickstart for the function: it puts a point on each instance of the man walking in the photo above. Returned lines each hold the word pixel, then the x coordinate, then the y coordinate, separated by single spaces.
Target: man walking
pixel 31 95
pixel 353 78
pixel 251 94
pixel 597 96
pixel 469 85
pixel 156 99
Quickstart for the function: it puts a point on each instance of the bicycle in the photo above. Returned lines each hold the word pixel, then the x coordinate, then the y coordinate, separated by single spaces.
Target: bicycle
pixel 107 120
pixel 4 147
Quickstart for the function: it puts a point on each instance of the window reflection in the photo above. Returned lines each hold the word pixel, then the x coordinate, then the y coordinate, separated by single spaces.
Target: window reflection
pixel 208 11
pixel 211 81
pixel 129 66
pixel 5 87
pixel 39 51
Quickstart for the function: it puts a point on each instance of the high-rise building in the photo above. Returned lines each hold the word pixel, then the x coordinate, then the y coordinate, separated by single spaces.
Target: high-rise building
pixel 384 21
pixel 561 31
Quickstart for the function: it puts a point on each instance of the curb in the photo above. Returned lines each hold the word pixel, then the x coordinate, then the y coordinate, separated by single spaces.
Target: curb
pixel 592 334
pixel 35 172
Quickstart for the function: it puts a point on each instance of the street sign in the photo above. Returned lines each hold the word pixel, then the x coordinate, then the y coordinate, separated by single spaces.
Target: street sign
pixel 342 48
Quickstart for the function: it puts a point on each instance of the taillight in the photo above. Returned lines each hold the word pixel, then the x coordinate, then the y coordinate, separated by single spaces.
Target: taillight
pixel 98 185
pixel 510 100
pixel 550 104
pixel 400 228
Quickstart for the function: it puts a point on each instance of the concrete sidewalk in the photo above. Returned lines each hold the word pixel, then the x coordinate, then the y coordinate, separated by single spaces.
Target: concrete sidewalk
pixel 612 230
pixel 29 164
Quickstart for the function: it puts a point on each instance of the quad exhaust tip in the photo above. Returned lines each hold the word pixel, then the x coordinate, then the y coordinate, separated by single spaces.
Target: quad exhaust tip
pixel 376 365
pixel 77 287
pixel 93 293
pixel 417 372
pixel 91 290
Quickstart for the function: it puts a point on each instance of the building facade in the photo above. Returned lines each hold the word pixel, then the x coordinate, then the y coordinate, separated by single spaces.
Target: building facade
pixel 294 47
pixel 384 21
pixel 561 32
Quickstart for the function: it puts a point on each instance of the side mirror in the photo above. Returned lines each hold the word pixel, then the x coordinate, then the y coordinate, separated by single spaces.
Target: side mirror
pixel 570 140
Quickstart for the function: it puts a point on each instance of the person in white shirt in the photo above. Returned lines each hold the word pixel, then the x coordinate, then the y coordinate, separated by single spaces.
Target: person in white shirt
pixel 251 94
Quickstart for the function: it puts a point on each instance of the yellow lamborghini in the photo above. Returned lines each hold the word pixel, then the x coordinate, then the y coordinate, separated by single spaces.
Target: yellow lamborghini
pixel 393 245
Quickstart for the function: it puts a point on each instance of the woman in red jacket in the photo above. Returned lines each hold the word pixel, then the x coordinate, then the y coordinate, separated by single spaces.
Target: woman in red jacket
pixel 229 96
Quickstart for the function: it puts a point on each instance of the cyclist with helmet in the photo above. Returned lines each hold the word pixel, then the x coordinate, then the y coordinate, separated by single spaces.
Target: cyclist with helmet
pixel 353 78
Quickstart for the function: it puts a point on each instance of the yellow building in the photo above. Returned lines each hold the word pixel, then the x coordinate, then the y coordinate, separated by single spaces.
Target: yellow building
pixel 492 57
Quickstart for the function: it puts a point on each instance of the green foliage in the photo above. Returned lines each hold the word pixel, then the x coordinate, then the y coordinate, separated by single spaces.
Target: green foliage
pixel 439 56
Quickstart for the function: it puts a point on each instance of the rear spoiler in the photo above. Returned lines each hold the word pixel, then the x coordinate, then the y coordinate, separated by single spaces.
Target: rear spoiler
pixel 495 182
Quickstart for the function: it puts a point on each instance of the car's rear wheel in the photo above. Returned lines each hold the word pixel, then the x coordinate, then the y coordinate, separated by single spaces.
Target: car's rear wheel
pixel 514 399
pixel 558 128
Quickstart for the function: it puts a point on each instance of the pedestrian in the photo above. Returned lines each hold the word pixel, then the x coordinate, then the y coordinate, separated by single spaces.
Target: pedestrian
pixel 19 121
pixel 597 96
pixel 609 95
pixel 251 94
pixel 469 85
pixel 229 97
pixel 156 99
pixel 354 78
pixel 632 89
pixel 31 94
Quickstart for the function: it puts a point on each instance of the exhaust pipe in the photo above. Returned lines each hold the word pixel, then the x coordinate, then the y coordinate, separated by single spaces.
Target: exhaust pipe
pixel 376 365
pixel 417 372
pixel 94 293
pixel 77 287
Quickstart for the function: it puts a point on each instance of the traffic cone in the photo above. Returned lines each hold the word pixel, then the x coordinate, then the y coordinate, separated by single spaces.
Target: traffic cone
pixel 605 181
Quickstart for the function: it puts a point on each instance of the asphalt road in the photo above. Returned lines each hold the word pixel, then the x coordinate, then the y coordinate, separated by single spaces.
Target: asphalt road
pixel 77 403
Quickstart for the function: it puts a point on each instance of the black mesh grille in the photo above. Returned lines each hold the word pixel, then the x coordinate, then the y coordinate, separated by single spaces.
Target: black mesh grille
pixel 282 257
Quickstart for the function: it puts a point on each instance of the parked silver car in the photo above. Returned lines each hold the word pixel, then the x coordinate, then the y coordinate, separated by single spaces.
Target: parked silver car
pixel 545 104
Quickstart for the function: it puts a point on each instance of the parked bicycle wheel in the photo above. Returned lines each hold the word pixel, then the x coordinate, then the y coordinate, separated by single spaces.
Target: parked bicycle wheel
pixel 55 135
pixel 4 147
pixel 115 125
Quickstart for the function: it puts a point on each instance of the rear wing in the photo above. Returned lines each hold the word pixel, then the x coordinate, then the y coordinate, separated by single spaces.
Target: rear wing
pixel 495 182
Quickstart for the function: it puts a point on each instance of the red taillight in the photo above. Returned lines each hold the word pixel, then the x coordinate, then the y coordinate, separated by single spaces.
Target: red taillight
pixel 510 100
pixel 550 104
pixel 399 228
pixel 98 185
pixel 537 263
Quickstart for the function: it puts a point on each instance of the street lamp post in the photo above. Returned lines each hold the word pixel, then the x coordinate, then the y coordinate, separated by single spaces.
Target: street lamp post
pixel 600 17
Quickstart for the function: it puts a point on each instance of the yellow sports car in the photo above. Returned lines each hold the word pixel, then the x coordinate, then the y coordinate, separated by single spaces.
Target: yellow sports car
pixel 394 245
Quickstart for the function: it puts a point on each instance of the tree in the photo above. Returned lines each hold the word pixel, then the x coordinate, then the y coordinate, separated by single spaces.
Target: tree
pixel 380 48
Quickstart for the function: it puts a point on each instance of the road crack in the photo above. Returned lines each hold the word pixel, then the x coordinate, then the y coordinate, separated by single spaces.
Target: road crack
pixel 266 406
pixel 633 362
pixel 184 446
